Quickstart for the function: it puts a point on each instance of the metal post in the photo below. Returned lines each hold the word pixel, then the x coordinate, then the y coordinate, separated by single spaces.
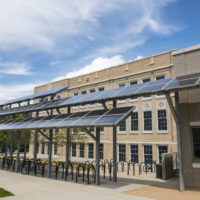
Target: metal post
pixel 97 155
pixel 181 180
pixel 35 146
pixel 67 152
pixel 114 154
pixel 11 145
pixel 50 152
pixel 25 144
pixel 18 151
pixel 6 145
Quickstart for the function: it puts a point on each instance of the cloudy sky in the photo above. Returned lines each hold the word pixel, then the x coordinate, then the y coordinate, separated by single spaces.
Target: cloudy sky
pixel 46 40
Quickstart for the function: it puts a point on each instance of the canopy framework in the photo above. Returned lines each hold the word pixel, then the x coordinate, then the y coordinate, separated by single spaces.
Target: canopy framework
pixel 165 86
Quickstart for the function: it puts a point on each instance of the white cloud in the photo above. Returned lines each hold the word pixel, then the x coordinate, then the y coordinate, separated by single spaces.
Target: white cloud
pixel 15 68
pixel 48 24
pixel 9 92
pixel 138 57
pixel 96 65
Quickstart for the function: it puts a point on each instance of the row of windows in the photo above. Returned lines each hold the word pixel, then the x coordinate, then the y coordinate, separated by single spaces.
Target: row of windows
pixel 162 124
pixel 121 100
pixel 134 153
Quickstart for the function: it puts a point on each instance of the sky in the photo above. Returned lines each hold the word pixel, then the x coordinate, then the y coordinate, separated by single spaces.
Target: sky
pixel 48 40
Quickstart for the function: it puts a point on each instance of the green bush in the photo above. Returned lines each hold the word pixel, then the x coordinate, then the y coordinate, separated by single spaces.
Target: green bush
pixel 5 193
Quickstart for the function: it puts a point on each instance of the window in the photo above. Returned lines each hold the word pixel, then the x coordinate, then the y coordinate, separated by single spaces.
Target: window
pixel 91 129
pixel 45 99
pixel 196 144
pixel 134 153
pixel 147 115
pixel 161 150
pixel 100 90
pixel 91 151
pixel 101 129
pixel 101 152
pixel 43 148
pixel 122 126
pixel 58 97
pixel 84 92
pixel 133 98
pixel 92 104
pixel 122 152
pixel 73 150
pixel 162 120
pixel 82 151
pixel 56 130
pixel 122 100
pixel 160 77
pixel 148 156
pixel 75 94
pixel 146 80
pixel 55 149
pixel 134 122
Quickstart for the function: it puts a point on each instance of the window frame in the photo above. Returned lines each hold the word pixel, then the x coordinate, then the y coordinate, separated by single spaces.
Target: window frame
pixel 192 144
pixel 122 132
pixel 137 150
pixel 133 131
pixel 72 150
pixel 83 150
pixel 148 97
pixel 149 131
pixel 118 152
pixel 122 100
pixel 158 156
pixel 161 131
pixel 151 151
pixel 136 98
pixel 161 95
pixel 89 151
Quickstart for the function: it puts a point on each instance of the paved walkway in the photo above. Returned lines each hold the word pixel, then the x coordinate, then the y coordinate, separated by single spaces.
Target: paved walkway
pixel 34 188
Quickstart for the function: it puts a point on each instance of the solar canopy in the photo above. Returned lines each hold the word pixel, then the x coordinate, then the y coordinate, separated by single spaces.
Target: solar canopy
pixel 95 118
pixel 154 87
pixel 35 96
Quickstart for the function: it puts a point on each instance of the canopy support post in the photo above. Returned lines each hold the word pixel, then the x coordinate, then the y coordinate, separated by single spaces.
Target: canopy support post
pixel 11 145
pixel 18 151
pixel 97 156
pixel 50 152
pixel 25 144
pixel 35 146
pixel 67 152
pixel 6 145
pixel 114 154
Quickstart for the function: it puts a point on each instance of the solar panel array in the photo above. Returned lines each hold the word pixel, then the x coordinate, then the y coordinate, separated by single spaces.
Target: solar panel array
pixel 159 86
pixel 35 96
pixel 96 118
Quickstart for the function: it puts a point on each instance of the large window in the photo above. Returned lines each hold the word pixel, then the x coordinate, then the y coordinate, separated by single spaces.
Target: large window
pixel 134 153
pixel 161 150
pixel 101 152
pixel 162 120
pixel 148 155
pixel 133 83
pixel 122 127
pixel 196 144
pixel 146 80
pixel 55 149
pixel 122 152
pixel 73 150
pixel 43 148
pixel 122 100
pixel 134 122
pixel 90 150
pixel 82 151
pixel 147 117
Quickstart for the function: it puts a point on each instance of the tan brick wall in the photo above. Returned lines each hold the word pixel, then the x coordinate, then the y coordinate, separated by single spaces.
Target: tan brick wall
pixel 110 78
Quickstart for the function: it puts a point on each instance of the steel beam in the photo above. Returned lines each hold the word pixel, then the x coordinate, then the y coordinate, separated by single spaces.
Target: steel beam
pixel 50 152
pixel 89 133
pixel 18 151
pixel 114 154
pixel 97 156
pixel 178 128
pixel 43 134
pixel 67 153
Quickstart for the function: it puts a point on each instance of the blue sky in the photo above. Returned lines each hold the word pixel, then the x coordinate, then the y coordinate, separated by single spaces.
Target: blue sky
pixel 44 41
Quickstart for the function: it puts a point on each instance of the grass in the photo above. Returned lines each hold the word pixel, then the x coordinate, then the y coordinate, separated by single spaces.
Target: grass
pixel 5 193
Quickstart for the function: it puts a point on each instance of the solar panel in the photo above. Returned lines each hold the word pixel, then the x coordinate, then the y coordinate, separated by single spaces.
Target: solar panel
pixel 35 96
pixel 154 87
pixel 82 119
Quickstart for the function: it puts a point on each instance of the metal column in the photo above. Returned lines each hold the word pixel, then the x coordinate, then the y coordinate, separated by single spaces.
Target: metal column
pixel 6 145
pixel 114 154
pixel 181 180
pixel 50 152
pixel 18 151
pixel 11 145
pixel 25 144
pixel 67 152
pixel 97 156
pixel 35 146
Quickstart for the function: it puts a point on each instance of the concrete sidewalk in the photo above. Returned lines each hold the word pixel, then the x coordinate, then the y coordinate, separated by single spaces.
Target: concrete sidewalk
pixel 34 188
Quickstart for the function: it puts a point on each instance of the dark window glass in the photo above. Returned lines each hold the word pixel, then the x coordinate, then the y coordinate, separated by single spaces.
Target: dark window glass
pixel 162 120
pixel 134 153
pixel 122 126
pixel 134 121
pixel 55 149
pixel 84 92
pixel 196 143
pixel 122 152
pixel 161 150
pixel 160 77
pixel 101 89
pixel 82 151
pixel 73 150
pixel 91 151
pixel 101 152
pixel 148 156
pixel 75 93
pixel 147 121
pixel 43 148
